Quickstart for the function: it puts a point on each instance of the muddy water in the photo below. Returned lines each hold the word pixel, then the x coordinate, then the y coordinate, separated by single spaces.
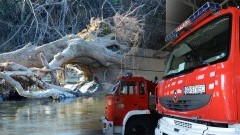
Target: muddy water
pixel 79 116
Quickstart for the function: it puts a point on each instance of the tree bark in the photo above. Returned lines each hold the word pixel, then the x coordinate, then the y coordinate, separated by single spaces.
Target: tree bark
pixel 51 92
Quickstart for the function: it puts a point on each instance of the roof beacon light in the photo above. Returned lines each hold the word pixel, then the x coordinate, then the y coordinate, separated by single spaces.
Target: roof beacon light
pixel 129 74
pixel 207 9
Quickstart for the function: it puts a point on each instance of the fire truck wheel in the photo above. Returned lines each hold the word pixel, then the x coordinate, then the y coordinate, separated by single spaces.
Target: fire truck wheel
pixel 138 127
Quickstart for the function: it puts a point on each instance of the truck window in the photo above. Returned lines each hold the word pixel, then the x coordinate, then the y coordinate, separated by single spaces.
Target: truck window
pixel 141 88
pixel 131 90
pixel 208 45
pixel 128 88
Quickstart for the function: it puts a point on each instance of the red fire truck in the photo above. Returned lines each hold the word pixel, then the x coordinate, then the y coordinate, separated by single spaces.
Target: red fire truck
pixel 130 107
pixel 200 91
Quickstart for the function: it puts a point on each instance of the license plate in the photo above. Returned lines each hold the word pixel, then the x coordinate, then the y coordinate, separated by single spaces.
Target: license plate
pixel 197 89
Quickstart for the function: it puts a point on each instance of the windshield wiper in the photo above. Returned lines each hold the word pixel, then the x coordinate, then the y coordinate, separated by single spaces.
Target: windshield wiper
pixel 170 75
pixel 202 64
pixel 187 70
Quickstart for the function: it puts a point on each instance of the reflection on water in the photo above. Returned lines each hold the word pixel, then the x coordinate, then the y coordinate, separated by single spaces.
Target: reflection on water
pixel 79 116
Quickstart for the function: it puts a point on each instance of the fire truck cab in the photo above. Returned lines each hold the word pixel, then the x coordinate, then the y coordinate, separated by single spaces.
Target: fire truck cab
pixel 130 107
pixel 200 91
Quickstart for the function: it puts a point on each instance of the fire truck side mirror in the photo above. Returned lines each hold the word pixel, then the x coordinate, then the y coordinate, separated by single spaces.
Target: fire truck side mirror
pixel 155 79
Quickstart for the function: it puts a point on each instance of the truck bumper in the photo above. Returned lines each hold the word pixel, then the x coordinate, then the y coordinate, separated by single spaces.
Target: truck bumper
pixel 107 126
pixel 171 126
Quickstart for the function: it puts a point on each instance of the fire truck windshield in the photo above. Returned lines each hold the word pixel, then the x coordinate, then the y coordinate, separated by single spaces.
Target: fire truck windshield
pixel 207 45
pixel 113 90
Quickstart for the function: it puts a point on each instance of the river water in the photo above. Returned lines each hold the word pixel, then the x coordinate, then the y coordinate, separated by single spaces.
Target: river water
pixel 77 116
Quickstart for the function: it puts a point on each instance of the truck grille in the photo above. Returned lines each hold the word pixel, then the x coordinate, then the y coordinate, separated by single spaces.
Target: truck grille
pixel 185 103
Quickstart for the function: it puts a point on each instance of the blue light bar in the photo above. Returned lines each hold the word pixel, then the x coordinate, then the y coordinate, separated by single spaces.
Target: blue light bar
pixel 207 9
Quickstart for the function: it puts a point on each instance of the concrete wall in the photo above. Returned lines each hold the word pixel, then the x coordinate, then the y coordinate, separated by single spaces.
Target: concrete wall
pixel 147 67
pixel 176 13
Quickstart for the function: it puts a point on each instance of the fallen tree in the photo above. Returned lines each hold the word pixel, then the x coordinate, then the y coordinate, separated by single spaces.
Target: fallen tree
pixel 27 84
pixel 104 44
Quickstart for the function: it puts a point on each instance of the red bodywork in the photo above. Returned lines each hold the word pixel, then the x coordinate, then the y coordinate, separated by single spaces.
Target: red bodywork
pixel 119 104
pixel 222 80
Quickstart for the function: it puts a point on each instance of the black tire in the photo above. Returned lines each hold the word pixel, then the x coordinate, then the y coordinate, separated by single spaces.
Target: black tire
pixel 138 126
